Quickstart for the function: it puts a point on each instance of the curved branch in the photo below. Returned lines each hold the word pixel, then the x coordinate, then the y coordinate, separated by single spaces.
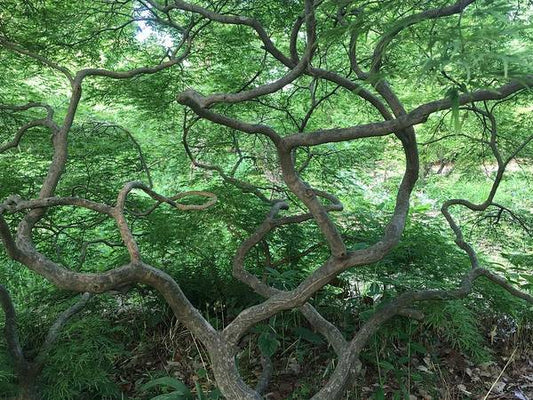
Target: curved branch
pixel 348 363
pixel 163 199
pixel 27 106
pixel 234 330
pixel 502 165
pixel 59 323
pixel 333 266
pixel 246 319
pixel 314 106
pixel 266 374
pixel 43 60
pixel 47 122
pixel 294 72
pixel 194 100
pixel 340 261
pixel 291 63
pixel 15 203
pixel 118 211
pixel 144 165
pixel 130 73
pixel 60 138
pixel 199 104
pixel 184 42
pixel 225 19
pixel 309 197
pixel 514 217
pixel 242 185
pixel 332 334
pixel 11 330
pixel 354 87
pixel 411 20
pixel 23 129
pixel 414 117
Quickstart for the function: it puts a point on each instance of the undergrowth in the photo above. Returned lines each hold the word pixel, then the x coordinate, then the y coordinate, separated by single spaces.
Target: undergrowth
pixel 121 342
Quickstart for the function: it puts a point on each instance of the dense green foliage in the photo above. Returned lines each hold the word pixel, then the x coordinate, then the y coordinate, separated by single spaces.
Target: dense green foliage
pixel 133 129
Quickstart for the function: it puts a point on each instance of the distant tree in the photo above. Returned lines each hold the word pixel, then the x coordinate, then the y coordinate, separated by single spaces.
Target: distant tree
pixel 261 70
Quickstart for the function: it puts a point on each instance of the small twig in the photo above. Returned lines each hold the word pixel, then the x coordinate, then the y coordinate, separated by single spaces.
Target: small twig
pixel 501 373
pixel 59 323
pixel 201 358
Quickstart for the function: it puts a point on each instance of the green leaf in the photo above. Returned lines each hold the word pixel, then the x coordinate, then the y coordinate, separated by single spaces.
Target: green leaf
pixel 374 289
pixel 202 373
pixel 421 208
pixel 199 392
pixel 215 394
pixel 403 360
pixel 417 348
pixel 387 366
pixel 308 335
pixel 379 394
pixel 416 377
pixel 268 344
pixel 171 396
pixel 453 95
pixel 168 381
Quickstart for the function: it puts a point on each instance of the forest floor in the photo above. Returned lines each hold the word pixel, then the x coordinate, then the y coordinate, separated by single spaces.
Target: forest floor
pixel 442 374
pixel 508 376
